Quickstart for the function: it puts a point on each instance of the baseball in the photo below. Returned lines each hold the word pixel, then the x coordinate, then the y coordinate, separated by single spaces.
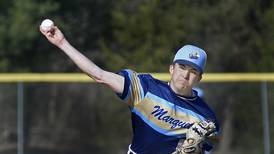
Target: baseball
pixel 46 25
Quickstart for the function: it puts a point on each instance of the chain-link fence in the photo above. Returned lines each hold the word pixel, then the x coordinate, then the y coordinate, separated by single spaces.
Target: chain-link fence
pixel 83 118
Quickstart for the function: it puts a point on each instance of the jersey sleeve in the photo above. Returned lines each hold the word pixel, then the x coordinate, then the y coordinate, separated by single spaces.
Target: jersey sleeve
pixel 134 87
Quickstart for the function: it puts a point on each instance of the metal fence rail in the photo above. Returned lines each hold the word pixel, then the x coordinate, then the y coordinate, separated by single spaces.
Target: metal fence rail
pixel 80 77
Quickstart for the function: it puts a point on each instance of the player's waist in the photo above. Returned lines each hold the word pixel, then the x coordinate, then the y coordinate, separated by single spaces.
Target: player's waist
pixel 150 150
pixel 130 151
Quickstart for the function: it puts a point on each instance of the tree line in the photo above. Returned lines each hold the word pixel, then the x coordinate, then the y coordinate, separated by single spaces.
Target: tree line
pixel 142 35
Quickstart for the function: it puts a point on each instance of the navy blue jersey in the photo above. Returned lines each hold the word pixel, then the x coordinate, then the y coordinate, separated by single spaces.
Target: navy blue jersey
pixel 159 116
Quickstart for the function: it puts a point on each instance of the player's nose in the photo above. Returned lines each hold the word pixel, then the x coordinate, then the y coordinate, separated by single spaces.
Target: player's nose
pixel 185 74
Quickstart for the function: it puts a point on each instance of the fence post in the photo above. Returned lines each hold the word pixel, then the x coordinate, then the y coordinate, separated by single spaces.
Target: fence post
pixel 265 117
pixel 20 118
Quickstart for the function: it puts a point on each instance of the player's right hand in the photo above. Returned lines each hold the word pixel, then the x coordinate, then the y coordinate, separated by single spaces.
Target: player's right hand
pixel 54 35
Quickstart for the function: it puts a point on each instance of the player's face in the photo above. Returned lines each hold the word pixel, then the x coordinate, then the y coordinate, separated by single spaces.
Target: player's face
pixel 183 77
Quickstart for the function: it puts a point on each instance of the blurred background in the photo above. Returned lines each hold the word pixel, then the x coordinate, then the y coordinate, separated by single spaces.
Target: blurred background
pixel 143 35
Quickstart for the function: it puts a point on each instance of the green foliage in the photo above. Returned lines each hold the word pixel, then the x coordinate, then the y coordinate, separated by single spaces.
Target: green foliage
pixel 145 34
pixel 141 35
pixel 264 62
pixel 153 30
pixel 19 30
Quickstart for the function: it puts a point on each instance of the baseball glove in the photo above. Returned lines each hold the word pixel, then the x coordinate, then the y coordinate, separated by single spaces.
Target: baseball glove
pixel 195 136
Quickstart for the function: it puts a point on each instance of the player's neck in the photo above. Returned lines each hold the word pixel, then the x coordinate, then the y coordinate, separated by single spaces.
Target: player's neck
pixel 187 92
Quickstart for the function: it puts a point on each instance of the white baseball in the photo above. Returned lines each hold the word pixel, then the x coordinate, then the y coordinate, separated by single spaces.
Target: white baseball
pixel 46 25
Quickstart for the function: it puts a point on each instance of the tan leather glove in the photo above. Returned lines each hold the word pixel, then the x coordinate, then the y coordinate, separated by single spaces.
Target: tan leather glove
pixel 195 137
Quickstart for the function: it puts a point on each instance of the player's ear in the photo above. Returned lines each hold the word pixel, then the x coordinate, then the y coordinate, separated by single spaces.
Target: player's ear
pixel 171 68
pixel 200 77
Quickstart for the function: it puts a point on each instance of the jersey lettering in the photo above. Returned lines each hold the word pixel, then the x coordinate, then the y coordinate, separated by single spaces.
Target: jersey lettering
pixel 160 114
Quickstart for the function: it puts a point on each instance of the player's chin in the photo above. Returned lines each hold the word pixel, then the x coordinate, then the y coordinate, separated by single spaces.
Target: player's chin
pixel 183 84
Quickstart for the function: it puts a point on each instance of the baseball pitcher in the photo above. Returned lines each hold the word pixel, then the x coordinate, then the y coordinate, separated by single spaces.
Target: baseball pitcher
pixel 167 117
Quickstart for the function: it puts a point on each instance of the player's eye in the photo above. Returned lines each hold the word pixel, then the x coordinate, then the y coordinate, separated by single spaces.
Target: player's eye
pixel 194 71
pixel 182 67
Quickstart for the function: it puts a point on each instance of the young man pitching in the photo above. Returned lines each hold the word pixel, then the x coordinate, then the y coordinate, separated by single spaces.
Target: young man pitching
pixel 166 117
